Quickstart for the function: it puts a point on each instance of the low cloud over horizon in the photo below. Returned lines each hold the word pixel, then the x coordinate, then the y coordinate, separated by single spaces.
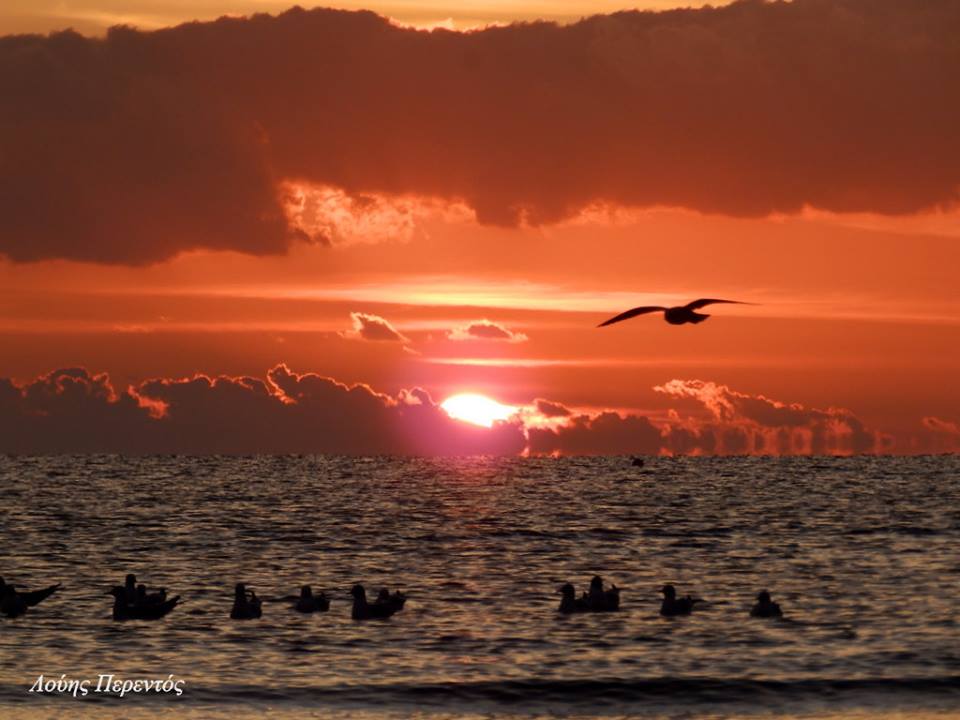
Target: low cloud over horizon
pixel 75 411
pixel 133 148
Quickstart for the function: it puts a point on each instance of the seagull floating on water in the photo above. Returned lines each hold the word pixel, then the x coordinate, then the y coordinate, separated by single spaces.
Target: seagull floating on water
pixel 600 600
pixel 11 602
pixel 310 603
pixel 673 606
pixel 569 602
pixel 246 604
pixel 30 597
pixel 597 600
pixel 145 610
pixel 766 607
pixel 385 597
pixel 363 610
pixel 680 315
pixel 148 598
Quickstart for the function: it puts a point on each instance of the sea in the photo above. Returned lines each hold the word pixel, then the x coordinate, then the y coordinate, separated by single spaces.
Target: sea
pixel 862 553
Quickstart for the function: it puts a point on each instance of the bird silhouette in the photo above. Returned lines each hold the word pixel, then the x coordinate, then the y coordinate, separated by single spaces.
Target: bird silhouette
pixel 569 602
pixel 31 597
pixel 122 610
pixel 600 600
pixel 680 315
pixel 766 607
pixel 673 605
pixel 309 603
pixel 385 597
pixel 246 604
pixel 363 610
pixel 597 600
pixel 11 602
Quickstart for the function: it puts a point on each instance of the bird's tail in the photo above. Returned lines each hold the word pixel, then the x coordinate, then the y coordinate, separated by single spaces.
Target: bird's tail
pixel 698 317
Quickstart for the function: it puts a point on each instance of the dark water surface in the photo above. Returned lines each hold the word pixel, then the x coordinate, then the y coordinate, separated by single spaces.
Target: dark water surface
pixel 862 553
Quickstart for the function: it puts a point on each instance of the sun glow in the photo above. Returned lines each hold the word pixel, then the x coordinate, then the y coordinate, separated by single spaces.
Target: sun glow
pixel 476 409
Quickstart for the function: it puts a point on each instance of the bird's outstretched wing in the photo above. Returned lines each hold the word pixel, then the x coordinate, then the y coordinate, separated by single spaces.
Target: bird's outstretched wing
pixel 703 302
pixel 631 313
pixel 35 597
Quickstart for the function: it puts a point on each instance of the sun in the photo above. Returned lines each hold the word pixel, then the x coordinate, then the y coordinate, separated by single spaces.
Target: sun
pixel 476 409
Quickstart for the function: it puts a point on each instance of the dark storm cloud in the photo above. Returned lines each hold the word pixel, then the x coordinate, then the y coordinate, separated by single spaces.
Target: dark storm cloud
pixel 131 148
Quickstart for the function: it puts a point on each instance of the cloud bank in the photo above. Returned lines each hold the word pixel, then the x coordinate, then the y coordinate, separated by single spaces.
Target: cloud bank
pixel 137 146
pixel 75 411
pixel 753 424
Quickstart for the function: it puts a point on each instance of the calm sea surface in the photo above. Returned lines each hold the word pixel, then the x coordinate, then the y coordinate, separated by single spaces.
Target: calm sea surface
pixel 862 553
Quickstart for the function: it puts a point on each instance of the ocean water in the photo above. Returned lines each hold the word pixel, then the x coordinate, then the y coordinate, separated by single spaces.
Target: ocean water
pixel 862 553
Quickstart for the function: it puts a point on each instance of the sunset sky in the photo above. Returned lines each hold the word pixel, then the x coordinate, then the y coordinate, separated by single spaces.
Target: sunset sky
pixel 315 200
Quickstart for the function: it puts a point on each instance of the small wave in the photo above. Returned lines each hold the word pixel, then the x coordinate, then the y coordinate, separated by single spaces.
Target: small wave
pixel 620 693
pixel 914 530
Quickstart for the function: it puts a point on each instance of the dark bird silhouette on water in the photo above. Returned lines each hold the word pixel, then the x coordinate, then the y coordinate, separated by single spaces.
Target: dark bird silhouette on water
pixel 246 604
pixel 597 600
pixel 680 315
pixel 363 610
pixel 766 607
pixel 385 597
pixel 600 600
pixel 569 602
pixel 149 598
pixel 29 597
pixel 11 603
pixel 144 610
pixel 310 603
pixel 673 605
pixel 130 588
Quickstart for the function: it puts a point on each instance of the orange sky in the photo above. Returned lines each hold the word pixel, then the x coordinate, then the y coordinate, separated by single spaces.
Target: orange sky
pixel 850 255
pixel 94 16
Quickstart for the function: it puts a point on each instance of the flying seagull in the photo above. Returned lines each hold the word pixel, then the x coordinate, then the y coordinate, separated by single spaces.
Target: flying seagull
pixel 679 315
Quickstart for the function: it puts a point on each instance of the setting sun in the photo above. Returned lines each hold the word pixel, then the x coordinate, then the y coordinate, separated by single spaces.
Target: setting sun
pixel 476 409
